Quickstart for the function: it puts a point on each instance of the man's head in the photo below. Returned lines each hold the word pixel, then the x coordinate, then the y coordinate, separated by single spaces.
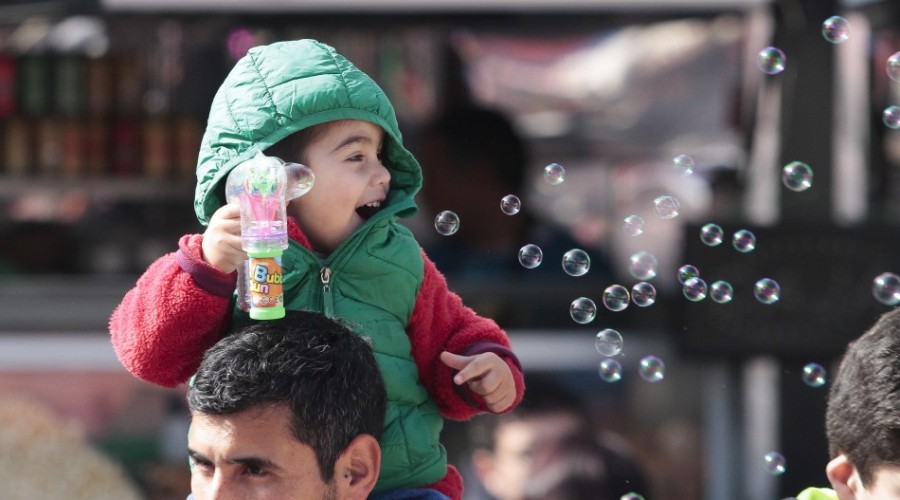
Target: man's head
pixel 352 183
pixel 862 419
pixel 291 408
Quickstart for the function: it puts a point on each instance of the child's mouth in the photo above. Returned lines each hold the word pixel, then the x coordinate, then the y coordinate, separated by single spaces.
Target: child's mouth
pixel 369 209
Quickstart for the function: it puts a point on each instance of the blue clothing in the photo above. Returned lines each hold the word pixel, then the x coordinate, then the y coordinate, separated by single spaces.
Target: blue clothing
pixel 409 494
pixel 399 494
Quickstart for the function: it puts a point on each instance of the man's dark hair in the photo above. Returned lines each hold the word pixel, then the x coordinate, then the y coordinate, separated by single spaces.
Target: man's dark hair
pixel 317 367
pixel 862 419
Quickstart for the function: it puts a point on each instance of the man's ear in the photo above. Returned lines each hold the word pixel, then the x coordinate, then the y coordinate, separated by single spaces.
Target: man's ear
pixel 357 469
pixel 843 477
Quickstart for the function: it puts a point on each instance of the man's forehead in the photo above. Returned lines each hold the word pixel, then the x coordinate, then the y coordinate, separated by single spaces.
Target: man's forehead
pixel 268 420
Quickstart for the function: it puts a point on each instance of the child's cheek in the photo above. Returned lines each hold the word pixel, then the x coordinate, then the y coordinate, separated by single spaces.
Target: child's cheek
pixel 293 208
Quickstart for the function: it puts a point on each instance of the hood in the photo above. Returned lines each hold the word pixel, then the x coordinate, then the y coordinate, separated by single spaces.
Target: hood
pixel 278 89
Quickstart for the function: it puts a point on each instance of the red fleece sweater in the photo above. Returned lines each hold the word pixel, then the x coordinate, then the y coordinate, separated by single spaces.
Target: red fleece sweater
pixel 180 307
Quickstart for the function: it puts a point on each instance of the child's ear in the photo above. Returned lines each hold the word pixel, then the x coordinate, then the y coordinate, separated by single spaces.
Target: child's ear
pixel 843 477
pixel 357 469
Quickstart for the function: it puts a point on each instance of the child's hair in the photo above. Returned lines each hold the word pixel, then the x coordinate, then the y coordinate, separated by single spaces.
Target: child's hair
pixel 293 147
pixel 863 416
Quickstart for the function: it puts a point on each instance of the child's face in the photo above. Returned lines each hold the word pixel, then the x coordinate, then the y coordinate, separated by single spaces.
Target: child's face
pixel 351 183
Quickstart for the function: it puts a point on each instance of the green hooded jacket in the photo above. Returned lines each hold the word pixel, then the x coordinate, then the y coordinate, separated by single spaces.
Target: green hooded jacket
pixel 371 280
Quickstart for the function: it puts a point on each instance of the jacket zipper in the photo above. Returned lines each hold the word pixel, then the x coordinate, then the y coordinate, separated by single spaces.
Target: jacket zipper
pixel 325 276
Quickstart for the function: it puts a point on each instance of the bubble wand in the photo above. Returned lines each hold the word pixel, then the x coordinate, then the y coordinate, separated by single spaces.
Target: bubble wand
pixel 262 186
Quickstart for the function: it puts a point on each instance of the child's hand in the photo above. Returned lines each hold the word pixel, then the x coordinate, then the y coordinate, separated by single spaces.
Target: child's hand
pixel 222 239
pixel 487 375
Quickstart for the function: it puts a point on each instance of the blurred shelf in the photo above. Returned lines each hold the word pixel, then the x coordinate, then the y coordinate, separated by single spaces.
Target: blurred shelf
pixel 59 303
pixel 138 189
pixel 418 6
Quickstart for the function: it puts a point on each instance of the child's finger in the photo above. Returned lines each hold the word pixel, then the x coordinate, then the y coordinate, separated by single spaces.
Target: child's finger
pixel 463 364
pixel 455 361
pixel 485 385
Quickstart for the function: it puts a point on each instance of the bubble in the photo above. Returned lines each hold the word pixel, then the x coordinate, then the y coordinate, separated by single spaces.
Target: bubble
pixel 775 463
pixel 712 235
pixel 797 176
pixel 652 369
pixel 891 116
pixel 836 29
pixel 893 67
pixel 687 272
pixel 771 60
pixel 446 223
pixel 583 310
pixel 633 225
pixel 744 241
pixel 643 294
pixel 554 174
pixel 610 370
pixel 684 164
pixel 814 375
pixel 694 289
pixel 721 292
pixel 615 298
pixel 510 204
pixel 300 180
pixel 767 291
pixel 632 496
pixel 576 262
pixel 886 289
pixel 643 265
pixel 530 256
pixel 608 342
pixel 666 207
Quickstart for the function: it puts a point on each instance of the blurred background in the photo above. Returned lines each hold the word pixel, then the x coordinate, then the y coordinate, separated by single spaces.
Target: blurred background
pixel 103 103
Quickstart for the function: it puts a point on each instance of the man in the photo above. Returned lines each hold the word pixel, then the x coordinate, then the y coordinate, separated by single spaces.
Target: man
pixel 287 409
pixel 862 418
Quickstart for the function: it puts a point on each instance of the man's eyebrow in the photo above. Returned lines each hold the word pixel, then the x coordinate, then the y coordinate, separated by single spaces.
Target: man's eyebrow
pixel 254 462
pixel 251 462
pixel 197 456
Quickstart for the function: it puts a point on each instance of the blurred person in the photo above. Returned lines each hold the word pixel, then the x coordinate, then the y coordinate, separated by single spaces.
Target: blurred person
pixel 862 418
pixel 42 456
pixel 576 472
pixel 473 157
pixel 289 408
pixel 521 451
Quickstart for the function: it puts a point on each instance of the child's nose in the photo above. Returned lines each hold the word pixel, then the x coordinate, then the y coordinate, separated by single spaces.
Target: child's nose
pixel 382 175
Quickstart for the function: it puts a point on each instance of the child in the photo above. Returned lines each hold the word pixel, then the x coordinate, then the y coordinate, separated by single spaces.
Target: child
pixel 862 419
pixel 348 257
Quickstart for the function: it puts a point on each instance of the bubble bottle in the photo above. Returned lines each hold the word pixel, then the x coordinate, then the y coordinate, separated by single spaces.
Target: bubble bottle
pixel 262 186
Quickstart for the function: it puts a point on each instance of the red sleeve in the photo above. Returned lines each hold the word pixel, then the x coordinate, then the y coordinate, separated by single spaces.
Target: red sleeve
pixel 177 309
pixel 441 322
